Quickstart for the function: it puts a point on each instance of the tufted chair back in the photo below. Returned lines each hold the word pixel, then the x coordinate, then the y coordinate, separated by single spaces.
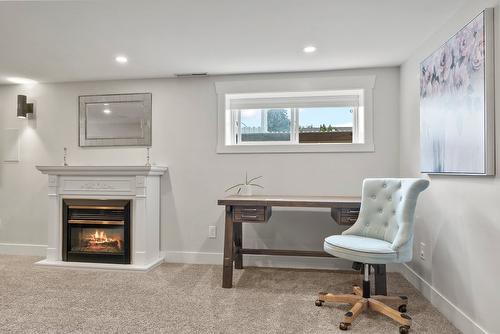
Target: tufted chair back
pixel 387 210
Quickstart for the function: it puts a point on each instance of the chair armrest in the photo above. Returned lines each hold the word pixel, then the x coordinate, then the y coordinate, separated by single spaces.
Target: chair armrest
pixel 403 236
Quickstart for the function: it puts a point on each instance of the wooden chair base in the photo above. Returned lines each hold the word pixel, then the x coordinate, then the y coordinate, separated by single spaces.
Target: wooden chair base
pixel 375 303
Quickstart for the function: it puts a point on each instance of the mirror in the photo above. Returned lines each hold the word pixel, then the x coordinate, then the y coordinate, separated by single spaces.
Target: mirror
pixel 115 120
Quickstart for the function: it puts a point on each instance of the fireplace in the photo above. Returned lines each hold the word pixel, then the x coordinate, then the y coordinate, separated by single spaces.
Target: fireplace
pixel 136 194
pixel 96 231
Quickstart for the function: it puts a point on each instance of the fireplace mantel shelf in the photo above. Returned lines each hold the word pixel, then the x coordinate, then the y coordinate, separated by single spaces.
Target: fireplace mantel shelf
pixel 103 170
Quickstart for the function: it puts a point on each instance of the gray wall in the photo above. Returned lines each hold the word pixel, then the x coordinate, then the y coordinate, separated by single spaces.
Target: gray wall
pixel 184 138
pixel 458 217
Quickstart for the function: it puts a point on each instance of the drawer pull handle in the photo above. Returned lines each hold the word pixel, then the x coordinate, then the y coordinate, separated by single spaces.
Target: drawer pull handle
pixel 251 209
pixel 353 211
pixel 251 217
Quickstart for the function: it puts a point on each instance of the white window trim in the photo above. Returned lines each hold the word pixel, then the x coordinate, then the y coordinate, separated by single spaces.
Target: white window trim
pixel 366 83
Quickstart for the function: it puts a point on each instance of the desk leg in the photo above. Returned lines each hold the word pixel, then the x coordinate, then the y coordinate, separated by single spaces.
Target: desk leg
pixel 238 242
pixel 227 270
pixel 380 280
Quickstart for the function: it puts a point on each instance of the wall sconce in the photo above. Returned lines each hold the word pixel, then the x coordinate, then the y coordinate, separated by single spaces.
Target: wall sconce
pixel 24 110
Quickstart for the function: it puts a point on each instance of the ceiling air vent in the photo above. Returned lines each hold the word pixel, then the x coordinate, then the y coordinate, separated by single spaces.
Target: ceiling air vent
pixel 187 75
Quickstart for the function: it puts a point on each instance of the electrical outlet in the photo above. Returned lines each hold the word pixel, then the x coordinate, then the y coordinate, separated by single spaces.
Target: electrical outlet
pixel 422 251
pixel 212 232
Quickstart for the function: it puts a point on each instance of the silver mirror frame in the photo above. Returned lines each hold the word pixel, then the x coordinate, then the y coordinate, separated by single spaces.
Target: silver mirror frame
pixel 145 98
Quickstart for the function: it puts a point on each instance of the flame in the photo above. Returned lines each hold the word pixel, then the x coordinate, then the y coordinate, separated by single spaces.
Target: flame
pixel 100 240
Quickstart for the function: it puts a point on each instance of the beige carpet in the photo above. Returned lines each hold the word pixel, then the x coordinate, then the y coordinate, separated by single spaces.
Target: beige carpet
pixel 177 298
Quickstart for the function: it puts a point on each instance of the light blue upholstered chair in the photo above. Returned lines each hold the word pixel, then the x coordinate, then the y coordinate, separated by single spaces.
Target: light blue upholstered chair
pixel 382 234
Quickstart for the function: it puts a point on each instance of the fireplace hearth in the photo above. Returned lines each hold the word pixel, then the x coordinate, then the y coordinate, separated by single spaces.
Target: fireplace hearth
pixel 96 231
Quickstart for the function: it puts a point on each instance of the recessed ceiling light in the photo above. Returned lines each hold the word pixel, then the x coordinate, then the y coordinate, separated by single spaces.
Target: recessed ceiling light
pixel 309 49
pixel 121 59
pixel 21 81
pixel 107 111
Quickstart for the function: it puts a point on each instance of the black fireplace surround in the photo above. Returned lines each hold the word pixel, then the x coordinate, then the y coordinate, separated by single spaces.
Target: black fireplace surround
pixel 96 231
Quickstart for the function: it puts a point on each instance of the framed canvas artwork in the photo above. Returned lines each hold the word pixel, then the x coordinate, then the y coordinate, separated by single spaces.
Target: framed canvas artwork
pixel 457 103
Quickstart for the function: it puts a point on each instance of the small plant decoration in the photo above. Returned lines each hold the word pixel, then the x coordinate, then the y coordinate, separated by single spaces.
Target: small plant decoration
pixel 246 186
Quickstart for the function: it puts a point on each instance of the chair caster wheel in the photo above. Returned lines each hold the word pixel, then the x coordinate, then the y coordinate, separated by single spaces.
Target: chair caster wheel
pixel 402 308
pixel 319 302
pixel 344 326
pixel 404 329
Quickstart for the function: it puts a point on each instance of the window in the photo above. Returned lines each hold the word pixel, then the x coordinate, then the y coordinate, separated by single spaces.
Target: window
pixel 326 124
pixel 292 121
pixel 262 125
pixel 294 118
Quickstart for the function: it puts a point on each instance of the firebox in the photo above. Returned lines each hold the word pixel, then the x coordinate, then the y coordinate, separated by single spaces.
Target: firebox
pixel 96 231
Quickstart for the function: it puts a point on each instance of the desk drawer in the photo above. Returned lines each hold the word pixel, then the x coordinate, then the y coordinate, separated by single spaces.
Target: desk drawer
pixel 345 216
pixel 251 214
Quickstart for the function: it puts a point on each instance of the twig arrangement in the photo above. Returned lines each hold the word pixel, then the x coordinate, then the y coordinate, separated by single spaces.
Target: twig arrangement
pixel 248 182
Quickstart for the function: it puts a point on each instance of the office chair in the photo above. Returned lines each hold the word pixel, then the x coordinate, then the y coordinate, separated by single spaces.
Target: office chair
pixel 382 234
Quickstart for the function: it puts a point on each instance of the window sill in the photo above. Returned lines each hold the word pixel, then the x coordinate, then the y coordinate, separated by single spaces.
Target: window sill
pixel 297 148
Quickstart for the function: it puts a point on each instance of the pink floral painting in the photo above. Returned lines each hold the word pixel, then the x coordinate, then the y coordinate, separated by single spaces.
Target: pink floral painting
pixel 452 104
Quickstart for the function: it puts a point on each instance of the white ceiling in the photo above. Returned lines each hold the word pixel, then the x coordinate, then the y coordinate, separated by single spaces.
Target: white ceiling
pixel 74 40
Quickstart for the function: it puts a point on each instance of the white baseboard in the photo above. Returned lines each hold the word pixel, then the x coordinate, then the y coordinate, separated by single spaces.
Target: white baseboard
pixel 295 262
pixel 23 249
pixel 193 257
pixel 259 260
pixel 455 315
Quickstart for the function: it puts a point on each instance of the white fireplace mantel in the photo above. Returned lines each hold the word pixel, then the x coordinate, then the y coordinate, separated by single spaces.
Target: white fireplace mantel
pixel 103 170
pixel 140 184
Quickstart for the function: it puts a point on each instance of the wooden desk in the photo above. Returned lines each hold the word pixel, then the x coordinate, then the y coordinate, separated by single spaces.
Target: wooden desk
pixel 258 209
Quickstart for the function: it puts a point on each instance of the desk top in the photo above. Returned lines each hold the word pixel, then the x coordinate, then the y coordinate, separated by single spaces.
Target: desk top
pixel 292 201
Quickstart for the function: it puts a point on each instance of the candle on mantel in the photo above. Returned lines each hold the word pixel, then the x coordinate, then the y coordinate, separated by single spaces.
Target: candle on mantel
pixel 148 163
pixel 65 156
